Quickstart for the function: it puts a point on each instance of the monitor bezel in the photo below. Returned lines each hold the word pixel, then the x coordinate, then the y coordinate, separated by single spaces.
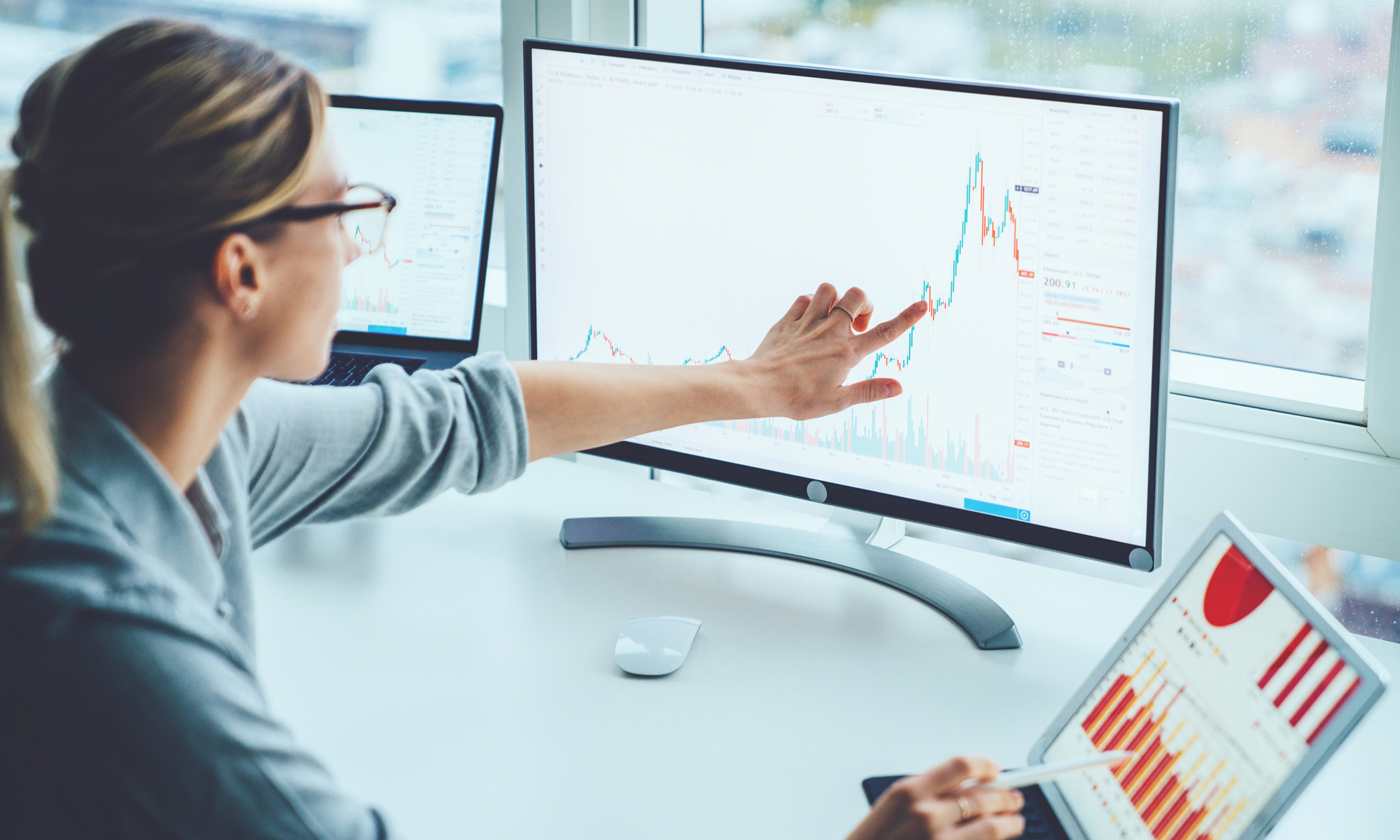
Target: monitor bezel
pixel 1373 676
pixel 422 343
pixel 856 498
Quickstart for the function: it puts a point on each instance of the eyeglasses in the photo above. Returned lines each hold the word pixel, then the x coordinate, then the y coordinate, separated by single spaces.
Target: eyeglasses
pixel 364 214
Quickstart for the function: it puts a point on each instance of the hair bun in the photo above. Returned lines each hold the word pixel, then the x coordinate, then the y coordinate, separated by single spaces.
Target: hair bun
pixel 137 154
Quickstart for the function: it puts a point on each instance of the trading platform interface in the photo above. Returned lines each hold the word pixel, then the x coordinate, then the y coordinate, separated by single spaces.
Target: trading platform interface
pixel 423 281
pixel 1221 695
pixel 680 208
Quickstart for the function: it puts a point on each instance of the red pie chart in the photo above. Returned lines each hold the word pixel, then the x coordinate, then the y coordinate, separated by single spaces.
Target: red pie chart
pixel 1235 590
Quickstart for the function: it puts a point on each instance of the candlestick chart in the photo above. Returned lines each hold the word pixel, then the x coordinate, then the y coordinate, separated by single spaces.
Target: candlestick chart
pixel 371 283
pixel 956 364
pixel 988 229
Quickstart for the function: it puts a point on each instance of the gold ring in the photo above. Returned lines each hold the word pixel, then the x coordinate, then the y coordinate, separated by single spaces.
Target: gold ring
pixel 845 310
pixel 964 810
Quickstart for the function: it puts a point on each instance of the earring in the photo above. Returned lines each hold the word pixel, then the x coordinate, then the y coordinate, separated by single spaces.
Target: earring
pixel 248 312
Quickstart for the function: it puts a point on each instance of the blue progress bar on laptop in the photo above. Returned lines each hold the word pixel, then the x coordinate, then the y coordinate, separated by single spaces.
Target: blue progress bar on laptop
pixel 997 510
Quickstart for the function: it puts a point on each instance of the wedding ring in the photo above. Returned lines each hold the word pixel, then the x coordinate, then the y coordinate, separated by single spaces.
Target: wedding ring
pixel 845 310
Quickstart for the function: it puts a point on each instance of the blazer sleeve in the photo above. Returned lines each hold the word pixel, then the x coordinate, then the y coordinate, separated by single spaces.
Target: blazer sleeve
pixel 322 454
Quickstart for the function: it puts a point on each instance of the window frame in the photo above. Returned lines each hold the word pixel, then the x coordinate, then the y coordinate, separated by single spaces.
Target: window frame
pixel 1300 455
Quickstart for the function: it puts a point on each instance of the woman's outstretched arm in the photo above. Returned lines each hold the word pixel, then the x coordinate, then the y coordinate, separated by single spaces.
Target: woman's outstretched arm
pixel 798 371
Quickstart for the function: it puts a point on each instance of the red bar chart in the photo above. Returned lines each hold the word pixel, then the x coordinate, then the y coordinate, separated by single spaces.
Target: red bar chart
pixel 1309 682
pixel 1177 788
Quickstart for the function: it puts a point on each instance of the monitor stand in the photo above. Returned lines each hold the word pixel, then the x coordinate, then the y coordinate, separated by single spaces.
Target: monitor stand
pixel 851 542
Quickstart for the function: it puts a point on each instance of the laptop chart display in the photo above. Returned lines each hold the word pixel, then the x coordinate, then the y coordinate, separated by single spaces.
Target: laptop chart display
pixel 423 281
pixel 1221 694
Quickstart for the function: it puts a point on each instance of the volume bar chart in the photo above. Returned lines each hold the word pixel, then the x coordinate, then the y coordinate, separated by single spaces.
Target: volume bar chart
pixel 911 444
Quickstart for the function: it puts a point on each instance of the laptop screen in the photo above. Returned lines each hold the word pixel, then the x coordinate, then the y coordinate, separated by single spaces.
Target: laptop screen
pixel 1222 694
pixel 424 280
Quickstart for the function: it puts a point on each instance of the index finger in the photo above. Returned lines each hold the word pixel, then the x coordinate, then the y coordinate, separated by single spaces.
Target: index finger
pixel 953 772
pixel 874 339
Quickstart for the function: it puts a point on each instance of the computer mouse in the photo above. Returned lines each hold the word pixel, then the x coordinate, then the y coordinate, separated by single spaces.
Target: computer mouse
pixel 655 646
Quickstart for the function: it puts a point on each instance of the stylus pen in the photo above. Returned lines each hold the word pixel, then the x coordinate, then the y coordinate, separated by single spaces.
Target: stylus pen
pixel 1020 777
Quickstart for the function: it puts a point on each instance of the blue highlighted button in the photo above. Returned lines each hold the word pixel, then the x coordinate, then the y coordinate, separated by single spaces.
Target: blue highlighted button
pixel 376 328
pixel 997 510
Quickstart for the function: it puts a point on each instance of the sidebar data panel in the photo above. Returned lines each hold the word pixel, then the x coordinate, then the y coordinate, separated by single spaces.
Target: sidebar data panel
pixel 423 281
pixel 679 209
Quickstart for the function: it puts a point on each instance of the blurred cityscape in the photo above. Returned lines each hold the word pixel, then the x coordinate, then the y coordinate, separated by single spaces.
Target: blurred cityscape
pixel 1362 592
pixel 423 49
pixel 1282 106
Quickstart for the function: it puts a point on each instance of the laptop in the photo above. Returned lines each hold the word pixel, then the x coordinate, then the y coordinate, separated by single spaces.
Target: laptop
pixel 1233 686
pixel 416 301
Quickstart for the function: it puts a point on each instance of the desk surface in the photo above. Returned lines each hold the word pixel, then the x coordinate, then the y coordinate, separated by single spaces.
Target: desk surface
pixel 454 667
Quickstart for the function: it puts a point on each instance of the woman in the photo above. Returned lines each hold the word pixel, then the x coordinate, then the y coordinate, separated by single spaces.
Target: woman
pixel 156 172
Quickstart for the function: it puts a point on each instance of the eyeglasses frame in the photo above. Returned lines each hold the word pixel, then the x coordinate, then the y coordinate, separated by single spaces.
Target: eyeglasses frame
pixel 309 212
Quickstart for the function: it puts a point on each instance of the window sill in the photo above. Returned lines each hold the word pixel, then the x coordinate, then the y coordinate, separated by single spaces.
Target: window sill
pixel 1281 425
pixel 1273 389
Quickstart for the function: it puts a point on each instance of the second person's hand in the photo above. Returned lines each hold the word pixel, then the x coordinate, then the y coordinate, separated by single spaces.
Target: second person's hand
pixel 936 806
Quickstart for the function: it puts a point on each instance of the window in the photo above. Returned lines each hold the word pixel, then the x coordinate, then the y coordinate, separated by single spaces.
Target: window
pixel 1362 592
pixel 429 49
pixel 1279 168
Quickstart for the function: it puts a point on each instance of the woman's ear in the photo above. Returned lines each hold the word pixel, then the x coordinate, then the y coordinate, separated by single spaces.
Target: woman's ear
pixel 238 274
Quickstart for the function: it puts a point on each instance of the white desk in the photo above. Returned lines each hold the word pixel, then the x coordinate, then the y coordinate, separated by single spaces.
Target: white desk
pixel 454 667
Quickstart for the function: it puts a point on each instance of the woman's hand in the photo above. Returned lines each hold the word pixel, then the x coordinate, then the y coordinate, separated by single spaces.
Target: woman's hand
pixel 798 371
pixel 805 358
pixel 936 805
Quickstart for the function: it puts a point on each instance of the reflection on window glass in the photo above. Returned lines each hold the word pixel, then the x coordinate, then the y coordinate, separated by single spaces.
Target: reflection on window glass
pixel 1282 105
pixel 424 49
pixel 1362 592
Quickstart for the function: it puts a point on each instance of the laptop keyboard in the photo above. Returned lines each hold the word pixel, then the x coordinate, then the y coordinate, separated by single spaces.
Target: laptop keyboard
pixel 1040 821
pixel 351 368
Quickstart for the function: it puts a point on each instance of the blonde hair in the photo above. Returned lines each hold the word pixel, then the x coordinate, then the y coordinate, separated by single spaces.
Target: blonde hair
pixel 137 156
pixel 28 465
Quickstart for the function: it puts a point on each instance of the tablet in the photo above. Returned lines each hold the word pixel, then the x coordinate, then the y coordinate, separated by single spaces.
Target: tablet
pixel 1233 685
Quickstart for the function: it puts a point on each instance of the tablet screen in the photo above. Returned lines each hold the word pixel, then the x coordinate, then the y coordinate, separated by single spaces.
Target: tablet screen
pixel 1222 694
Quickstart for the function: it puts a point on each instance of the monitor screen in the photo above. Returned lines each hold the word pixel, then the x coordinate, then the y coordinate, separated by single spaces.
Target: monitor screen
pixel 680 204
pixel 1222 694
pixel 425 280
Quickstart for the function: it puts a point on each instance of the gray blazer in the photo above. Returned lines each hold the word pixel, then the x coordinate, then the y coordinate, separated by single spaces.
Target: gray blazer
pixel 129 698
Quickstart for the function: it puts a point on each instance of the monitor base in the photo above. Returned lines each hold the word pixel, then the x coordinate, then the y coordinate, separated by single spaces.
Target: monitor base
pixel 978 615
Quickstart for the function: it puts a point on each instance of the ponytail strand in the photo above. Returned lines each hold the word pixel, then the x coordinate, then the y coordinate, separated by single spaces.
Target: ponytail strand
pixel 28 463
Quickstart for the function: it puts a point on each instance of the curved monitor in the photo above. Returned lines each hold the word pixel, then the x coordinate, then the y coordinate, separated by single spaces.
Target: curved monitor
pixel 679 203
